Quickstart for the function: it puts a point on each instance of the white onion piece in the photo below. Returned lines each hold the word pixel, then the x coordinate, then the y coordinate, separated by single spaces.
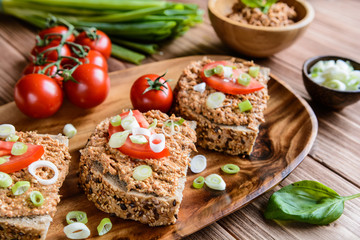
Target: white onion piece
pixel 77 230
pixel 200 87
pixel 157 147
pixel 141 131
pixel 43 163
pixel 198 164
pixel 6 130
pixel 228 72
pixel 129 122
pixel 69 130
pixel 215 100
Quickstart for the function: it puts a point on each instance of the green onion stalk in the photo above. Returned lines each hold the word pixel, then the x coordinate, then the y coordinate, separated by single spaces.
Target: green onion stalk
pixel 135 27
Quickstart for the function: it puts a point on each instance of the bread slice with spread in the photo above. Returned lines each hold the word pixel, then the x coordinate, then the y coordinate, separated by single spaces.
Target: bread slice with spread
pixel 227 99
pixel 24 214
pixel 138 180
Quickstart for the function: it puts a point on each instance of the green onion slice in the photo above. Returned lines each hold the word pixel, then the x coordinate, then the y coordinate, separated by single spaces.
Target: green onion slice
pixel 12 138
pixel 142 172
pixel 138 139
pixel 174 127
pixel 115 121
pixel 20 187
pixel 199 182
pixel 215 100
pixel 118 139
pixel 69 130
pixel 219 70
pixel 129 122
pixel 6 130
pixel 254 71
pixel 37 198
pixel 244 79
pixel 214 181
pixel 153 124
pixel 77 230
pixel 245 106
pixel 19 148
pixel 5 180
pixel 104 226
pixel 230 168
pixel 209 72
pixel 198 164
pixel 4 159
pixel 76 216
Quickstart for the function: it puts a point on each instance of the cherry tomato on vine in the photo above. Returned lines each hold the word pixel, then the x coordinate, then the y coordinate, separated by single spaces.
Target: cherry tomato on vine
pixel 151 91
pixel 93 57
pixel 56 30
pixel 91 88
pixel 103 44
pixel 38 95
pixel 51 55
pixel 33 68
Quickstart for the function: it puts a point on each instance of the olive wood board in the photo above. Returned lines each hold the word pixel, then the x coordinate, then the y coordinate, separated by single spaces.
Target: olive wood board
pixel 283 142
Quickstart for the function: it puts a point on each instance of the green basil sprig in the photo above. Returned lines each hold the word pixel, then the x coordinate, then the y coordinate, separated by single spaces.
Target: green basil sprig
pixel 264 5
pixel 306 201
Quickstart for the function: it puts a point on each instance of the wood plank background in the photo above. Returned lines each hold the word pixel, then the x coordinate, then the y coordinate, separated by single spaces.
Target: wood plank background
pixel 334 159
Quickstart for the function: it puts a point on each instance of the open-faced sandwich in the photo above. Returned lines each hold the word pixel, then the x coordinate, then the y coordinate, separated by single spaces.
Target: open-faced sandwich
pixel 134 166
pixel 227 99
pixel 32 169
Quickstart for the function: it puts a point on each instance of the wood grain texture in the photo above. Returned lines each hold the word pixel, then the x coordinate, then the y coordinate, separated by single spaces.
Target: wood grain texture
pixel 284 140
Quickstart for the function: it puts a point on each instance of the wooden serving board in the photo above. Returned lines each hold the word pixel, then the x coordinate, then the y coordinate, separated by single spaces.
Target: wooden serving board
pixel 284 140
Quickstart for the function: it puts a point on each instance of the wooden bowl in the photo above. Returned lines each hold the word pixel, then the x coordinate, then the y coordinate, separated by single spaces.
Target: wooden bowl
pixel 257 41
pixel 326 96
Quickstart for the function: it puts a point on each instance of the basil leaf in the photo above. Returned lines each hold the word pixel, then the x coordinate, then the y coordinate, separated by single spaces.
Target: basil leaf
pixel 253 3
pixel 306 201
pixel 267 5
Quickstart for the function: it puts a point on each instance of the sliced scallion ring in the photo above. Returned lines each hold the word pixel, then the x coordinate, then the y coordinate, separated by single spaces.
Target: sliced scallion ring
pixel 76 216
pixel 129 122
pixel 115 121
pixel 219 69
pixel 157 142
pixel 141 131
pixel 174 128
pixel 12 138
pixel 69 130
pixel 19 148
pixel 20 187
pixel 37 198
pixel 254 71
pixel 209 72
pixel 230 168
pixel 4 159
pixel 138 139
pixel 244 79
pixel 142 172
pixel 118 139
pixel 245 106
pixel 43 163
pixel 5 180
pixel 198 164
pixel 153 124
pixel 199 182
pixel 214 181
pixel 6 130
pixel 77 230
pixel 104 226
pixel 215 100
pixel 227 72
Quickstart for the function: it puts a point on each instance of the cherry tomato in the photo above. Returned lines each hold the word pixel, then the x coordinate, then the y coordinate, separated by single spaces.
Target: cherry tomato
pixel 92 86
pixel 93 57
pixel 51 55
pixel 103 44
pixel 56 30
pixel 32 68
pixel 16 163
pixel 140 151
pixel 38 95
pixel 217 82
pixel 160 96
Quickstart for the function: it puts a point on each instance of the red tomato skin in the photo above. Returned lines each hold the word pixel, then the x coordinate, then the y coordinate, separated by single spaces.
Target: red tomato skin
pixel 16 163
pixel 38 96
pixel 217 83
pixel 59 30
pixel 103 44
pixel 32 68
pixel 51 55
pixel 92 88
pixel 139 151
pixel 93 57
pixel 153 99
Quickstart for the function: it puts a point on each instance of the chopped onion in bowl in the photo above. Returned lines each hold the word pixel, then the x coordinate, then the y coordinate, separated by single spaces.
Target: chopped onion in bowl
pixel 159 144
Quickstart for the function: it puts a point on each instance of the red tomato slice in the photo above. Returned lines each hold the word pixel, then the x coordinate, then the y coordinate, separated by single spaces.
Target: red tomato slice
pixel 218 83
pixel 140 151
pixel 16 163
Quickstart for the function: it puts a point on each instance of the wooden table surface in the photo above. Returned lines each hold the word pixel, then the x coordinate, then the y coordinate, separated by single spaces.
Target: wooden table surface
pixel 334 159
